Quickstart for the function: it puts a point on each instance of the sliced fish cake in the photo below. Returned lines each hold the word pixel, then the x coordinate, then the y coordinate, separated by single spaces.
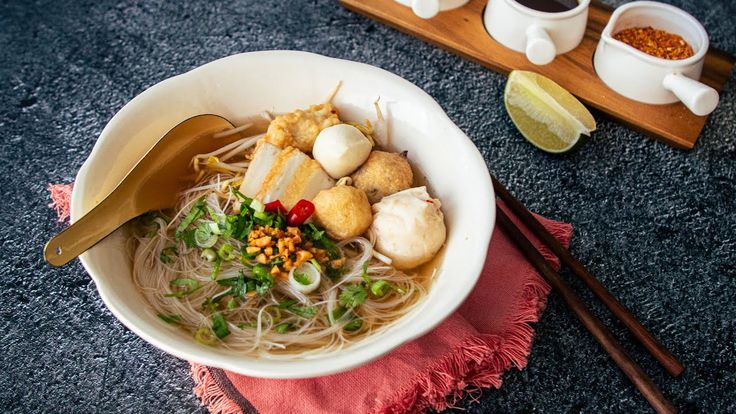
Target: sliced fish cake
pixel 309 180
pixel 262 162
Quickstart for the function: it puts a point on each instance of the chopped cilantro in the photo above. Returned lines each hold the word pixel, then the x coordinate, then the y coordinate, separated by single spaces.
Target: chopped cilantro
pixel 353 325
pixel 219 326
pixel 166 253
pixel 283 327
pixel 245 200
pixel 188 238
pixel 338 312
pixel 353 296
pixel 303 311
pixel 312 232
pixel 238 285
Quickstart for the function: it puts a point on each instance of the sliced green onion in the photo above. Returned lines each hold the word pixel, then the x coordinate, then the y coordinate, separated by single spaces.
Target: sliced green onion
pixel 195 213
pixel 261 273
pixel 285 304
pixel 172 319
pixel 214 228
pixel 216 269
pixel 232 303
pixel 204 336
pixel 302 278
pixel 257 206
pixel 203 237
pixel 364 275
pixel 240 196
pixel 209 255
pixel 226 252
pixel 262 215
pixel 316 264
pixel 380 287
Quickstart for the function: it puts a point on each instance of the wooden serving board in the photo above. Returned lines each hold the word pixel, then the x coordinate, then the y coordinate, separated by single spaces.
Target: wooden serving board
pixel 461 31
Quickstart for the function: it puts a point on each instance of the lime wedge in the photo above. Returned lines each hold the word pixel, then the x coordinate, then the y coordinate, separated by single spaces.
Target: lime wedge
pixel 547 115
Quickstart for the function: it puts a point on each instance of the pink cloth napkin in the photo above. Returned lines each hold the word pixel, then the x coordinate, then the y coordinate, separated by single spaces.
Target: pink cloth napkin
pixel 487 336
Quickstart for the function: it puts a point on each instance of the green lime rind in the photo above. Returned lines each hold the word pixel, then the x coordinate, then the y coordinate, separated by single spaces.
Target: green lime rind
pixel 545 114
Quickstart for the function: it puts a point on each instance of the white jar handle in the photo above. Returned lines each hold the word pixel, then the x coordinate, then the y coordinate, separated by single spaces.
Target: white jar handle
pixel 426 9
pixel 699 98
pixel 540 50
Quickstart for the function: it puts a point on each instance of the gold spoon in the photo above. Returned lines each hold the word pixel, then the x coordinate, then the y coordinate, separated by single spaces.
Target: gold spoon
pixel 153 184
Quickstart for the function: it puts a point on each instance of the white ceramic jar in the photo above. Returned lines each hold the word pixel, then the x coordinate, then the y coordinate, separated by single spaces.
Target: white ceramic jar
pixel 540 35
pixel 426 9
pixel 649 79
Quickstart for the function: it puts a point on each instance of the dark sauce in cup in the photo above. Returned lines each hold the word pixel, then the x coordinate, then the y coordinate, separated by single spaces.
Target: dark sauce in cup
pixel 549 6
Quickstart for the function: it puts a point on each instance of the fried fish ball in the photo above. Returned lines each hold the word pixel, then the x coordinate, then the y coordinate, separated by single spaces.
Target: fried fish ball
pixel 300 128
pixel 383 174
pixel 344 211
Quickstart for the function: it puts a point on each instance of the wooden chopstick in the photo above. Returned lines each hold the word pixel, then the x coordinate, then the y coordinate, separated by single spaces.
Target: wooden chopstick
pixel 658 351
pixel 633 371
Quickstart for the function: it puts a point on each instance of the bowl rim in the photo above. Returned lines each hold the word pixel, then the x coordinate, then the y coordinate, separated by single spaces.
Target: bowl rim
pixel 303 368
pixel 582 7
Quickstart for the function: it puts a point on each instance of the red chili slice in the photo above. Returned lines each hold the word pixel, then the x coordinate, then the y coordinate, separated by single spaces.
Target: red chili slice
pixel 275 206
pixel 298 214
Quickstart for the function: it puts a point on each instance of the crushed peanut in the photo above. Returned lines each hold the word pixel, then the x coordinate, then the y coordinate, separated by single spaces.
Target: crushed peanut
pixel 287 245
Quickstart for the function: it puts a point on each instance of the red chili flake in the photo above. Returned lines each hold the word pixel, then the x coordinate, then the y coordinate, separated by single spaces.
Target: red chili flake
pixel 656 42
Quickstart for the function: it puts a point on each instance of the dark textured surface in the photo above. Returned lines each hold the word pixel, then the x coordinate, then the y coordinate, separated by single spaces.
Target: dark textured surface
pixel 656 224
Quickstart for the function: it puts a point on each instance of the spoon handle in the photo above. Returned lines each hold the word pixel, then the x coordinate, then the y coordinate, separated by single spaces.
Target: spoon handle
pixel 98 223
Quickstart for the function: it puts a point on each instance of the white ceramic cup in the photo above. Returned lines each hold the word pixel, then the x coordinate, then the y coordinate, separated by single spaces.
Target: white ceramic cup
pixel 649 79
pixel 426 9
pixel 540 35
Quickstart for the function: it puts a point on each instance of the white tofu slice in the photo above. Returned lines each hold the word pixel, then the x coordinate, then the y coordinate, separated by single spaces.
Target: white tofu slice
pixel 260 165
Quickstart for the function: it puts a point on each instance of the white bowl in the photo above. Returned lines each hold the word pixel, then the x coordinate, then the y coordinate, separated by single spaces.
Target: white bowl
pixel 539 35
pixel 649 79
pixel 246 84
